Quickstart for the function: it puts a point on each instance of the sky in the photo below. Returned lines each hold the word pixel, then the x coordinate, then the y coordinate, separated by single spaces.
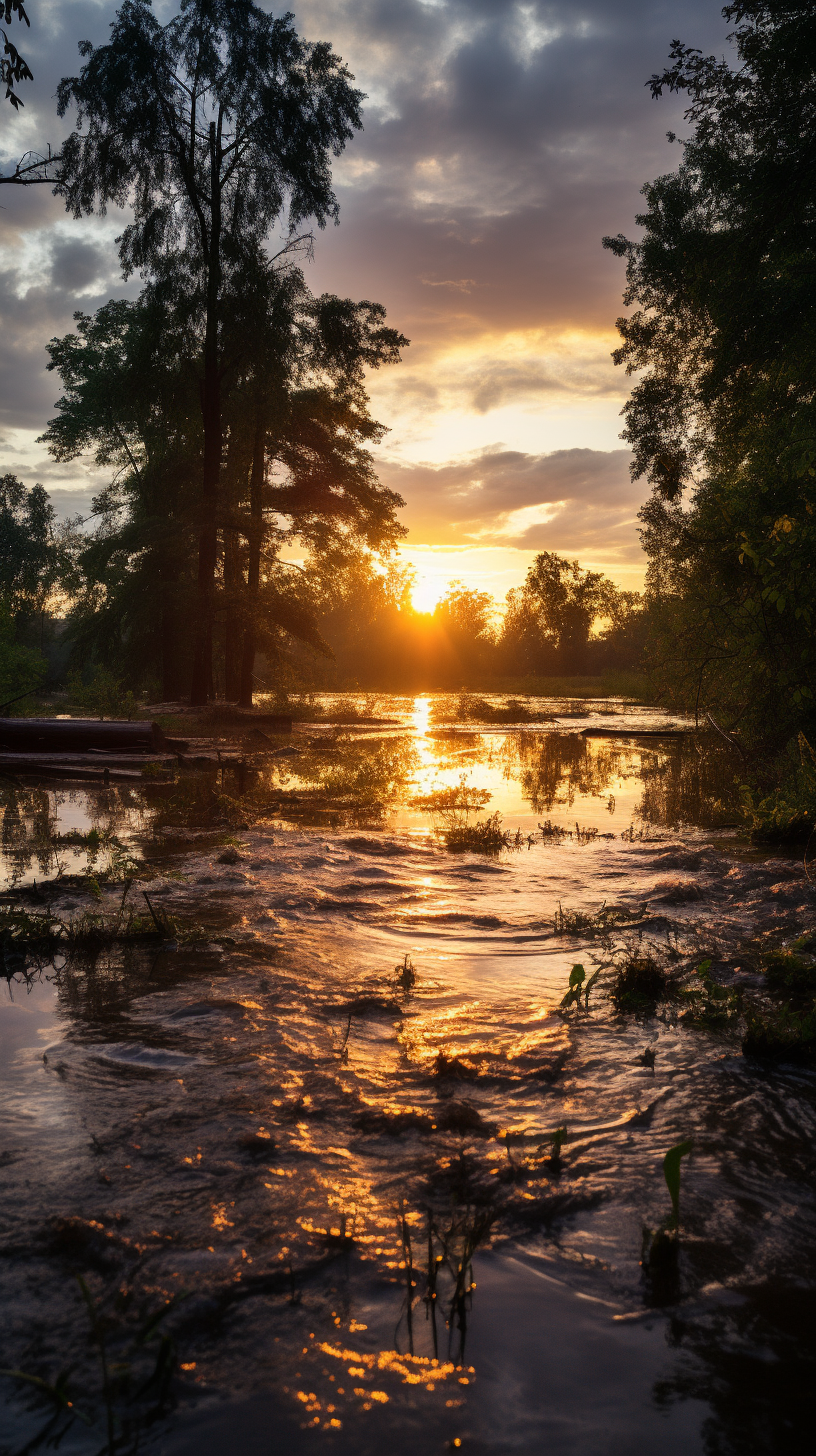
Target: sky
pixel 501 141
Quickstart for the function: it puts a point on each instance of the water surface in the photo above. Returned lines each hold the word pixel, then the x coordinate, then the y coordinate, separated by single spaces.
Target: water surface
pixel 328 1118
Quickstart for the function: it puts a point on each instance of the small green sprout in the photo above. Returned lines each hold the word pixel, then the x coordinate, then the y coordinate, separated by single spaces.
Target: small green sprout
pixel 579 986
pixel 576 980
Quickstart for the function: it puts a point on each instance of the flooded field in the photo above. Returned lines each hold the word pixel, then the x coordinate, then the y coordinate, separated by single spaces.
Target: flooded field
pixel 306 1152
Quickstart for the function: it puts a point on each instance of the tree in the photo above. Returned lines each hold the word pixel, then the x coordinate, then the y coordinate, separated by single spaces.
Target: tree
pixel 13 69
pixel 131 399
pixel 211 127
pixel 723 419
pixel 30 561
pixel 463 620
pixel 296 468
pixel 299 421
pixel 564 603
pixel 31 564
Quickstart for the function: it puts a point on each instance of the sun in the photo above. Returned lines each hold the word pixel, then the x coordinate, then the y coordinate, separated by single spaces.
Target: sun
pixel 426 592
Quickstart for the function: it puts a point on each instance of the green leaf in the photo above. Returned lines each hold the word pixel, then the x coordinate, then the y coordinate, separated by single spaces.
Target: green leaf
pixel 574 992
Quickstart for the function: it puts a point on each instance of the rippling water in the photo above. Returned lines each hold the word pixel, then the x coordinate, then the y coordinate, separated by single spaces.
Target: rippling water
pixel 329 1122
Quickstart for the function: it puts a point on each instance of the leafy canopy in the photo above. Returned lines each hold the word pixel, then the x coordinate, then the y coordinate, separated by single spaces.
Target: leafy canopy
pixel 208 127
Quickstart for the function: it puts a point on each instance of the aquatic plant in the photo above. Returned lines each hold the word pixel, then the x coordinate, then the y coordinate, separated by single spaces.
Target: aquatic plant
pixel 708 1003
pixel 549 830
pixel 660 1247
pixel 780 1034
pixel 130 1390
pixel 790 975
pixel 640 982
pixel 35 937
pixel 671 1172
pixel 406 974
pixel 555 1140
pixel 486 836
pixel 577 988
pixel 470 708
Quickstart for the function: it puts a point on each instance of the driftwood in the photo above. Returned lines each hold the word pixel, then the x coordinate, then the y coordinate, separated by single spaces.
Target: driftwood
pixel 79 735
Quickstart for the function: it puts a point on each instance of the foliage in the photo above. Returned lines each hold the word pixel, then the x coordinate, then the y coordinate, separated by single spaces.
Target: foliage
pixel 791 975
pixel 131 1385
pixel 130 376
pixel 639 983
pixel 22 669
pixel 671 1172
pixel 552 618
pixel 31 561
pixel 579 986
pixel 788 813
pixel 485 836
pixel 13 69
pixel 709 1004
pixel 722 334
pixel 103 695
pixel 780 1034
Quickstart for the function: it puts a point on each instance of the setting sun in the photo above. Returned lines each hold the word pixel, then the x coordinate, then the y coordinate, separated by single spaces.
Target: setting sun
pixel 426 592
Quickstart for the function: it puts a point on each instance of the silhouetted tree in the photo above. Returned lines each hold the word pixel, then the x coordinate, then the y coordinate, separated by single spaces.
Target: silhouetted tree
pixel 296 467
pixel 565 602
pixel 211 127
pixel 30 559
pixel 723 335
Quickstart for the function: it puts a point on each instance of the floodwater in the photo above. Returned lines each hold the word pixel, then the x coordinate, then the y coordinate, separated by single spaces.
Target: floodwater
pixel 321 1118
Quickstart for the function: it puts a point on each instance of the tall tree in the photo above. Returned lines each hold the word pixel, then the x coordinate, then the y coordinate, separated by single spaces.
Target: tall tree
pixel 722 420
pixel 211 127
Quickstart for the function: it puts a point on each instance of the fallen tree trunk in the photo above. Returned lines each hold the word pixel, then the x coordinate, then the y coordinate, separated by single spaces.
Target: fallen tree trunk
pixel 79 735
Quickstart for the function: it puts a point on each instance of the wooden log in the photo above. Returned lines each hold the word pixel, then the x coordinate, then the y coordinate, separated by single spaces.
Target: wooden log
pixel 79 735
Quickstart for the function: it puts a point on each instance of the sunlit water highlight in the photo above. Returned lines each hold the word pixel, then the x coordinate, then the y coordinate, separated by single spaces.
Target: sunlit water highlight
pixel 287 1125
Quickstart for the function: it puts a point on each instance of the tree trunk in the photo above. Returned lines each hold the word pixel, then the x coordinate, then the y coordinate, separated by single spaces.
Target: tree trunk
pixel 232 624
pixel 201 688
pixel 254 565
pixel 169 641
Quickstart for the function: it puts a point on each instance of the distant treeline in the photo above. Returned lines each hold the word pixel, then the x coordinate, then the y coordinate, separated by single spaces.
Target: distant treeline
pixel 563 621
pixel 365 631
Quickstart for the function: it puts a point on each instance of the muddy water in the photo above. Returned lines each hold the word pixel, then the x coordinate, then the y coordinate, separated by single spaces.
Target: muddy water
pixel 326 1115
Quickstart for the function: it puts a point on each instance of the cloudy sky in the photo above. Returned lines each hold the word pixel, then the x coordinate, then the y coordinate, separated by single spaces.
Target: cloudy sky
pixel 501 141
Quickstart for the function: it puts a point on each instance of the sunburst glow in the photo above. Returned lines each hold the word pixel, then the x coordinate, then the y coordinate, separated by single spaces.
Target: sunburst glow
pixel 426 592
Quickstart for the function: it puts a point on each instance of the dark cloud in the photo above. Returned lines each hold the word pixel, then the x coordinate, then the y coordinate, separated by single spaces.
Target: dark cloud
pixel 587 498
pixel 504 140
pixel 76 265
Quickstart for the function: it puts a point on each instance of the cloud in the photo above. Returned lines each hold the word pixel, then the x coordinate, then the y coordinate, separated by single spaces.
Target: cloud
pixel 577 502
pixel 77 264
